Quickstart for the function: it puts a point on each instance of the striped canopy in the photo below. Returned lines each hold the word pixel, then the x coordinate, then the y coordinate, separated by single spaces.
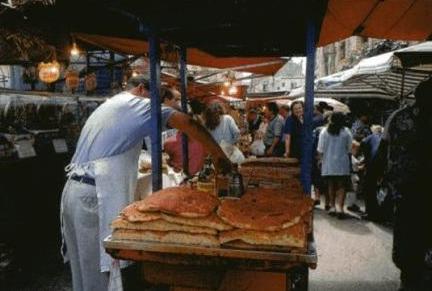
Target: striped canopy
pixel 387 76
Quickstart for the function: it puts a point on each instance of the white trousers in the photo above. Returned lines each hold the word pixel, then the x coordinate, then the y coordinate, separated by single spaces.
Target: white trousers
pixel 80 222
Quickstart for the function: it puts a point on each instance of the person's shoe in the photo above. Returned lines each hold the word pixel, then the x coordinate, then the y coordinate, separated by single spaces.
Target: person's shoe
pixel 368 217
pixel 341 215
pixel 317 202
pixel 327 207
pixel 332 211
pixel 354 208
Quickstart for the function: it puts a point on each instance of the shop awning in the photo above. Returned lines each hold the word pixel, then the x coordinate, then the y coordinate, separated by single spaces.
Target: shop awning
pixel 390 19
pixel 257 65
pixel 381 76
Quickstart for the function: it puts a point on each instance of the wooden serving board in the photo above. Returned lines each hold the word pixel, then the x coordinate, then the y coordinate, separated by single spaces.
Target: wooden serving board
pixel 208 256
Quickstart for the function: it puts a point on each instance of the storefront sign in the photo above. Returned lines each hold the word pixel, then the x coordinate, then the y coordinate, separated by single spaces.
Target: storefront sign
pixel 60 146
pixel 25 149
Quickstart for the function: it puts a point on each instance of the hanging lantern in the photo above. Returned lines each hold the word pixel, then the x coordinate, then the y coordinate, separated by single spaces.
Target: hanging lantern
pixel 49 72
pixel 72 79
pixel 90 82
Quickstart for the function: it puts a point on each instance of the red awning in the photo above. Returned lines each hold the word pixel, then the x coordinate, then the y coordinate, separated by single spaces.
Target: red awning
pixel 390 19
pixel 255 65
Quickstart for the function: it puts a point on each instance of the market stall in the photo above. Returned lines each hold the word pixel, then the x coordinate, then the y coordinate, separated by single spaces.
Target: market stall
pixel 181 230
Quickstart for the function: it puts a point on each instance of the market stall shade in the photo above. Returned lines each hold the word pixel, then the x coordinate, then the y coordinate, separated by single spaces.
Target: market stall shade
pixel 386 76
pixel 256 65
pixel 391 19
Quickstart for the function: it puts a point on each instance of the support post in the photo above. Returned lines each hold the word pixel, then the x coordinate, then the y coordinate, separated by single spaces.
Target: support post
pixel 183 91
pixel 156 116
pixel 112 69
pixel 306 162
pixel 402 85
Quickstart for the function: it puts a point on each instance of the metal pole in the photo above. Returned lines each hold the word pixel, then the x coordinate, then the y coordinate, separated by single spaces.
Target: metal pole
pixel 183 91
pixel 402 86
pixel 306 162
pixel 112 69
pixel 156 116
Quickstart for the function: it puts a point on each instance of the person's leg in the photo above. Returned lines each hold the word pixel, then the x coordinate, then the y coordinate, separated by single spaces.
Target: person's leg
pixel 332 195
pixel 68 228
pixel 87 219
pixel 81 229
pixel 340 196
pixel 370 196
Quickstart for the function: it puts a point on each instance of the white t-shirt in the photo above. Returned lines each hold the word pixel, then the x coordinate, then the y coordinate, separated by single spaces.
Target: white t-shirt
pixel 335 150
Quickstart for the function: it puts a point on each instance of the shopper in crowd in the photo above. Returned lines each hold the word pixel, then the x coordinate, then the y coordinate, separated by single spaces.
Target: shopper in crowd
pixel 360 128
pixel 320 109
pixel 254 121
pixel 284 111
pixel 293 130
pixel 409 166
pixel 221 126
pixel 357 168
pixel 369 148
pixel 320 184
pixel 103 175
pixel 173 146
pixel 274 132
pixel 334 147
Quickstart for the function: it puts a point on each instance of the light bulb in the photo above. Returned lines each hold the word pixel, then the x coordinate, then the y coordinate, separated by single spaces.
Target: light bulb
pixel 74 51
pixel 134 74
pixel 233 90
pixel 227 83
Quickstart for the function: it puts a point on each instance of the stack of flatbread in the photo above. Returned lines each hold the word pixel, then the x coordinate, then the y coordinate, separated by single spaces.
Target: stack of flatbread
pixel 266 218
pixel 173 215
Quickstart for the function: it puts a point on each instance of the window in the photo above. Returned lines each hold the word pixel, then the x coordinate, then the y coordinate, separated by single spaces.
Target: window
pixel 264 87
pixel 283 84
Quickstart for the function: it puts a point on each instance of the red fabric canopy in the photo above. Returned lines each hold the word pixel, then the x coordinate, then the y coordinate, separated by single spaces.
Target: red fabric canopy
pixel 258 65
pixel 390 19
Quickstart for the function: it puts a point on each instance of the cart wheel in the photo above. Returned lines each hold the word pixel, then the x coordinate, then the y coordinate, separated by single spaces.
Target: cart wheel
pixel 297 279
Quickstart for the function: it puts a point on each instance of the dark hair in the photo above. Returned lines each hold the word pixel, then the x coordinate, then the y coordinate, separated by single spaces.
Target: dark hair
pixel 196 106
pixel 337 122
pixel 272 106
pixel 166 92
pixel 292 108
pixel 212 115
pixel 295 103
pixel 286 107
pixel 133 82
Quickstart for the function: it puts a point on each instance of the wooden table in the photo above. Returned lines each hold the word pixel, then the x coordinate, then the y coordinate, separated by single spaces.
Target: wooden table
pixel 186 262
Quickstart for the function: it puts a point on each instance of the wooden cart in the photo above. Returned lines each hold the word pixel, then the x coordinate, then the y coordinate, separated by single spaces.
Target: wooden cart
pixel 204 267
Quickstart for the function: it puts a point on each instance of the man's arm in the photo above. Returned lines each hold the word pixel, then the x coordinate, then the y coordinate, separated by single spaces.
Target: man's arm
pixel 272 147
pixel 194 130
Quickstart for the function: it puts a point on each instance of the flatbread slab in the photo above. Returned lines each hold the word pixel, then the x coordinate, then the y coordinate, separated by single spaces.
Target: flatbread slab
pixel 160 225
pixel 132 214
pixel 294 236
pixel 267 212
pixel 212 221
pixel 181 201
pixel 167 237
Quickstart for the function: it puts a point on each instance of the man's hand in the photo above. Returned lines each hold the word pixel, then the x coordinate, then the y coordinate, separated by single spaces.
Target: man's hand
pixel 269 152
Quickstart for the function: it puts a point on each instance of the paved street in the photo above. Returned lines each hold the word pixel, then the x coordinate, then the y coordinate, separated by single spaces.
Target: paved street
pixel 352 255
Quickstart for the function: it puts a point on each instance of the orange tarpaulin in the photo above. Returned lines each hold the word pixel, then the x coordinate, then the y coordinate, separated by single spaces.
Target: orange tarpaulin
pixel 258 65
pixel 390 19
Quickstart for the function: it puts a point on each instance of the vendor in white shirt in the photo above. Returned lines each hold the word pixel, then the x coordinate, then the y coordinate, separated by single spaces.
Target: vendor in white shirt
pixel 103 175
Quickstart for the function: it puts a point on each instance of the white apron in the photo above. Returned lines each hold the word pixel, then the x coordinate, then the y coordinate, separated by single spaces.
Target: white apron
pixel 115 179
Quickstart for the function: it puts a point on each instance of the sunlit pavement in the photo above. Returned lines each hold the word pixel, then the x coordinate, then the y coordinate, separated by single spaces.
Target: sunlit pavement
pixel 352 255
